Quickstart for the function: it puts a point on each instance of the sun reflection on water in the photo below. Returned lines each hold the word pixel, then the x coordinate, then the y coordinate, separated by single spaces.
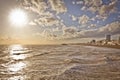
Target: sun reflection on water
pixel 16 52
pixel 15 49
pixel 17 78
pixel 18 61
pixel 18 57
pixel 16 67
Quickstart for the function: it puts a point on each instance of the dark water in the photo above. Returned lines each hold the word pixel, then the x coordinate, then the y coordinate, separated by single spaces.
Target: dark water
pixel 59 62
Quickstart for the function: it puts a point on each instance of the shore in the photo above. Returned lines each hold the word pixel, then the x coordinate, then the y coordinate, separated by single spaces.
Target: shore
pixel 59 62
pixel 108 46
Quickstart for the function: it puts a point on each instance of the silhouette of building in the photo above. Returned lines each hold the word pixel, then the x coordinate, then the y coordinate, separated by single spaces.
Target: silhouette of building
pixel 108 37
pixel 119 40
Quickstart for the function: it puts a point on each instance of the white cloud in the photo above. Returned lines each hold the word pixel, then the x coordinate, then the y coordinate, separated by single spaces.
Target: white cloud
pixel 92 25
pixel 83 19
pixel 72 32
pixel 36 6
pixel 69 30
pixel 112 28
pixel 73 2
pixel 103 10
pixel 44 21
pixel 79 2
pixel 45 17
pixel 32 23
pixel 107 9
pixel 84 8
pixel 73 18
pixel 58 6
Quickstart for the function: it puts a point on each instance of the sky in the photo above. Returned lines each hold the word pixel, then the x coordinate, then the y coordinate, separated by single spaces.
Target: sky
pixel 60 21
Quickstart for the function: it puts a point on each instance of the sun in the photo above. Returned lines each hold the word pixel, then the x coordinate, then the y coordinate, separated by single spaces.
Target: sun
pixel 18 17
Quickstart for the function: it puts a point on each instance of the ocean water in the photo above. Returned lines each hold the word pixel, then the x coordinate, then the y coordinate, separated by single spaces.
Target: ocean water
pixel 59 62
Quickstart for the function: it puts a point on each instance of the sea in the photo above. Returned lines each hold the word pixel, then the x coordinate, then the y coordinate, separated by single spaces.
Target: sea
pixel 59 62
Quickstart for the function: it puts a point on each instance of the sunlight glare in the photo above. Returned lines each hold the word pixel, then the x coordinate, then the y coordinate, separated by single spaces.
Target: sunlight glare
pixel 16 67
pixel 16 52
pixel 18 17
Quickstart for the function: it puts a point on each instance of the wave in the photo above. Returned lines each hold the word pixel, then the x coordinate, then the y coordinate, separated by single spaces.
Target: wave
pixel 59 63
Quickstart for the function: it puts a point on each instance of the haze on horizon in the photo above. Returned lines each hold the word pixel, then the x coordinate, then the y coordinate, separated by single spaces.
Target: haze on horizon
pixel 58 21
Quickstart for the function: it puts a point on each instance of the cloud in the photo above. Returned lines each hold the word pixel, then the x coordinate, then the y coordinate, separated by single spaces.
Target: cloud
pixel 72 32
pixel 112 28
pixel 92 9
pixel 83 8
pixel 40 6
pixel 32 23
pixel 79 2
pixel 46 34
pixel 45 17
pixel 69 30
pixel 58 6
pixel 73 2
pixel 97 6
pixel 92 26
pixel 73 18
pixel 83 19
pixel 46 21
pixel 65 33
pixel 50 17
pixel 101 17
pixel 107 9
pixel 36 6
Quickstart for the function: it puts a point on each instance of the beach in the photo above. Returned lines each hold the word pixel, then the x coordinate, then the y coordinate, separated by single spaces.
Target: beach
pixel 59 62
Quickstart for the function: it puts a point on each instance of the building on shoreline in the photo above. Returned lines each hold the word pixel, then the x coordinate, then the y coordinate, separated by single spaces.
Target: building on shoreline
pixel 106 41
pixel 119 40
pixel 108 37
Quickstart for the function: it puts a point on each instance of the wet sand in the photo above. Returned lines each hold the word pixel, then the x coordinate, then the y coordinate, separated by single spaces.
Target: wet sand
pixel 59 62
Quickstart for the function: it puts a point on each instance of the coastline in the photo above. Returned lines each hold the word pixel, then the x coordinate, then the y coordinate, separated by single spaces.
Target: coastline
pixel 107 46
pixel 85 44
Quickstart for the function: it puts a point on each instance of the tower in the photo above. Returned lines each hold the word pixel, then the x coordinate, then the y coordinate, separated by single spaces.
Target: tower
pixel 119 39
pixel 108 37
